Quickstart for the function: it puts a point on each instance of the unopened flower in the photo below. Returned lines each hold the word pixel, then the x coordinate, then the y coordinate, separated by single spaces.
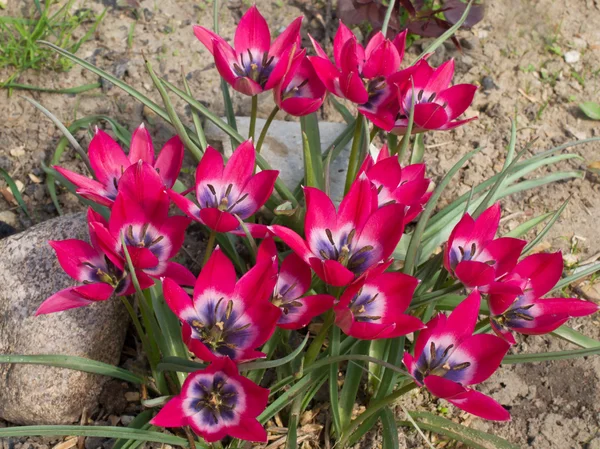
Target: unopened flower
pixel 226 318
pixel 217 402
pixel 140 216
pixel 300 92
pixel 254 64
pixel 528 313
pixel 88 265
pixel 361 74
pixel 340 245
pixel 293 282
pixel 396 184
pixel 448 358
pixel 224 191
pixel 109 162
pixel 373 306
pixel 475 257
pixel 437 105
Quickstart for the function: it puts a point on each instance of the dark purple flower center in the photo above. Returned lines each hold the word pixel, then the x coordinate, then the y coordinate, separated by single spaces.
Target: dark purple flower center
pixel 106 272
pixel 364 306
pixel 146 236
pixel 214 401
pixel 421 97
pixel 220 327
pixel 298 87
pixel 517 315
pixel 462 253
pixel 345 250
pixel 438 361
pixel 226 200
pixel 283 300
pixel 254 66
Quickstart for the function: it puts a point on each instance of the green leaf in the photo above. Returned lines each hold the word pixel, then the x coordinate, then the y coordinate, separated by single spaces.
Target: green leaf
pixel 575 337
pixel 545 356
pixel 310 128
pixel 527 226
pixel 334 350
pixel 413 248
pixel 444 37
pixel 68 91
pixel 416 157
pixel 266 364
pixel 390 430
pixel 538 238
pixel 475 439
pixel 352 379
pixel 578 274
pixel 15 191
pixel 309 173
pixel 173 117
pixel 74 363
pixel 96 431
pixel 137 423
pixel 591 109
pixel 343 110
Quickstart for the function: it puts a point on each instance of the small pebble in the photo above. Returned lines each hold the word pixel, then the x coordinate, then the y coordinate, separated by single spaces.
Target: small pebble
pixel 572 56
pixel 488 83
pixel 132 396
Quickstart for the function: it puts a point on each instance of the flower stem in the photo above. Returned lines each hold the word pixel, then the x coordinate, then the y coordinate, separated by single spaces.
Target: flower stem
pixel 353 161
pixel 210 245
pixel 263 133
pixel 253 117
pixel 374 132
pixel 313 350
pixel 388 15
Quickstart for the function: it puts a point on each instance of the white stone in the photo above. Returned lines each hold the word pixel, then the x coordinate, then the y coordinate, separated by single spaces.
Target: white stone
pixel 282 149
pixel 572 56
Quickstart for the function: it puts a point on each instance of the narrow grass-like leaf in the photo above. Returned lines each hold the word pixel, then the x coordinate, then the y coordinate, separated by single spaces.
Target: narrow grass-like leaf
pixel 334 350
pixel 527 226
pixel 547 356
pixel 418 150
pixel 475 439
pixel 389 429
pixel 352 379
pixel 310 128
pixel 137 423
pixel 447 34
pixel 15 191
pixel 538 238
pixel 411 120
pixel 67 91
pixel 173 117
pixel 413 248
pixel 575 337
pixel 95 431
pixel 196 119
pixel 64 130
pixel 512 143
pixel 266 364
pixel 73 363
pixel 343 110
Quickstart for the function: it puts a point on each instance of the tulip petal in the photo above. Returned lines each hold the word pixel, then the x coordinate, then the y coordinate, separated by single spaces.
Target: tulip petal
pixel 385 228
pixel 171 414
pixel 301 315
pixel 458 98
pixel 504 252
pixel 217 220
pixel 358 204
pixel 89 188
pixel 332 272
pixel 294 277
pixel 474 274
pixel 293 240
pixel 240 165
pixel 75 257
pixel 543 271
pixel 259 188
pixel 207 37
pixel 468 400
pixel 342 36
pixel 384 61
pixel 177 299
pixel 252 34
pixel 107 158
pixel 179 274
pixel 249 430
pixel 141 148
pixel 186 206
pixel 327 73
pixel 169 161
pixel 63 300
pixel 320 214
pixel 352 87
pixel 430 115
pixel 441 78
pixel 484 352
pixel 217 274
pixel 286 40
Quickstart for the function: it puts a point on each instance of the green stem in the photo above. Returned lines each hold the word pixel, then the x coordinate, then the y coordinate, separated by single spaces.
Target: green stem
pixel 353 161
pixel 374 408
pixel 210 245
pixel 136 322
pixel 334 348
pixel 388 15
pixel 253 117
pixel 263 133
pixel 315 347
pixel 409 126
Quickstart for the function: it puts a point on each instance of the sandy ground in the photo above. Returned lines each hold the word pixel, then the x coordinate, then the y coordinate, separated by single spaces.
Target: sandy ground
pixel 516 54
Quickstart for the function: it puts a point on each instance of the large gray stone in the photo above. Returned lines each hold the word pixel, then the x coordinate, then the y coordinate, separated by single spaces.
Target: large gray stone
pixel 29 273
pixel 282 149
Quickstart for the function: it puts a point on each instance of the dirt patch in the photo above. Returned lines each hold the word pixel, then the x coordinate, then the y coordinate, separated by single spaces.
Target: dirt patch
pixel 516 55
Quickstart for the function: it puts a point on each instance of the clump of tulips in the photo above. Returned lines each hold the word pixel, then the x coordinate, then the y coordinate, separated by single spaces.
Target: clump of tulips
pixel 326 286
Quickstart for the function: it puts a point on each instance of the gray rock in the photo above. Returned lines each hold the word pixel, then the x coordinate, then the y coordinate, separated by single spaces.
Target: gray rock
pixel 29 273
pixel 282 149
